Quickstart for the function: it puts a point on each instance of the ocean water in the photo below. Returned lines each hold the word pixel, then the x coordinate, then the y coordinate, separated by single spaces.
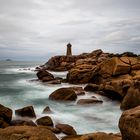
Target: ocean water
pixel 17 91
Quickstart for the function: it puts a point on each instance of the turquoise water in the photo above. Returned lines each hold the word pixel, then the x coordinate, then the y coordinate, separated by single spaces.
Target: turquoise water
pixel 16 91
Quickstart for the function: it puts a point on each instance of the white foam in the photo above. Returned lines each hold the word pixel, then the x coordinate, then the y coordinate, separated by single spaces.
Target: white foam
pixel 18 70
pixel 85 119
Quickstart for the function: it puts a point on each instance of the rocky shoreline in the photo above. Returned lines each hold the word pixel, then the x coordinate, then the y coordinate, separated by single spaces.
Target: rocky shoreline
pixel 115 76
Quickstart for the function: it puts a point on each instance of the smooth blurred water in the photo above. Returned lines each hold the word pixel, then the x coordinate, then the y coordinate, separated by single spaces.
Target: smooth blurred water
pixel 16 91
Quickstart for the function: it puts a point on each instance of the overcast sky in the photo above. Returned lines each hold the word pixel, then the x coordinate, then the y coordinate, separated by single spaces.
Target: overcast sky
pixel 36 29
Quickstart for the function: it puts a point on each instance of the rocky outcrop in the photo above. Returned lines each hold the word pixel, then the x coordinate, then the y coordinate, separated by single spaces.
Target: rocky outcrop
pixel 26 112
pixel 5 116
pixel 129 124
pixel 61 63
pixel 84 68
pixel 66 129
pixel 63 94
pixel 94 136
pixel 26 133
pixel 64 63
pixel 115 68
pixel 45 121
pixel 106 70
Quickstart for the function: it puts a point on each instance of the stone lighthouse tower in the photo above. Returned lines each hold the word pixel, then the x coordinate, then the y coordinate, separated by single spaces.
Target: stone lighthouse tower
pixel 69 52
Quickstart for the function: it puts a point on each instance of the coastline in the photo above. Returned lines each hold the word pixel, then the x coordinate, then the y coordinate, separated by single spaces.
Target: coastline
pixel 126 81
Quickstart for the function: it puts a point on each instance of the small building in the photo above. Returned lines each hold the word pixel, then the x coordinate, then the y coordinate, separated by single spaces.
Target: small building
pixel 69 51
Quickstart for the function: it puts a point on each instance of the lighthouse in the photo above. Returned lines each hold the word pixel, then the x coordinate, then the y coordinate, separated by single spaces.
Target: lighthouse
pixel 69 52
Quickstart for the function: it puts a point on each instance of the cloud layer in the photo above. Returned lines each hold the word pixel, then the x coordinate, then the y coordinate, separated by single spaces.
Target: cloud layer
pixel 36 29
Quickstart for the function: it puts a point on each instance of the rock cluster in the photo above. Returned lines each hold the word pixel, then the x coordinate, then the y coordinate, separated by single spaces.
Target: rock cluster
pixel 63 94
pixel 45 76
pixel 64 63
pixel 25 128
pixel 114 76
pixel 108 70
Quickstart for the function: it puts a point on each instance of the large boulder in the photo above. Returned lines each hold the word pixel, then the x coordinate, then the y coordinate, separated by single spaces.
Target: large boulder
pixel 44 75
pixel 132 98
pixel 22 123
pixel 26 133
pixel 129 124
pixel 27 111
pixel 115 90
pixel 114 66
pixel 46 121
pixel 5 114
pixel 94 136
pixel 66 129
pixel 80 74
pixel 63 94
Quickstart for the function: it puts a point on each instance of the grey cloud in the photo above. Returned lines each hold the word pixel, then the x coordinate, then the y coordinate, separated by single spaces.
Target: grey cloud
pixel 37 28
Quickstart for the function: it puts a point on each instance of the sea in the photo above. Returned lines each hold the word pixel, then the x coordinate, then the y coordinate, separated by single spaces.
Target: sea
pixel 18 88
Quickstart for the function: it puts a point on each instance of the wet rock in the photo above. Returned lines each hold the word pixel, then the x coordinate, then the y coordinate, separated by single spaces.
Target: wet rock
pixel 60 63
pixel 46 121
pixel 37 69
pixel 44 75
pixel 66 129
pixel 5 114
pixel 89 101
pixel 75 137
pixel 3 124
pixel 47 110
pixel 54 82
pixel 91 87
pixel 63 94
pixel 94 136
pixel 78 90
pixel 54 130
pixel 26 112
pixel 136 67
pixel 132 98
pixel 22 123
pixel 26 133
pixel 114 66
pixel 129 124
pixel 80 74
pixel 111 93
